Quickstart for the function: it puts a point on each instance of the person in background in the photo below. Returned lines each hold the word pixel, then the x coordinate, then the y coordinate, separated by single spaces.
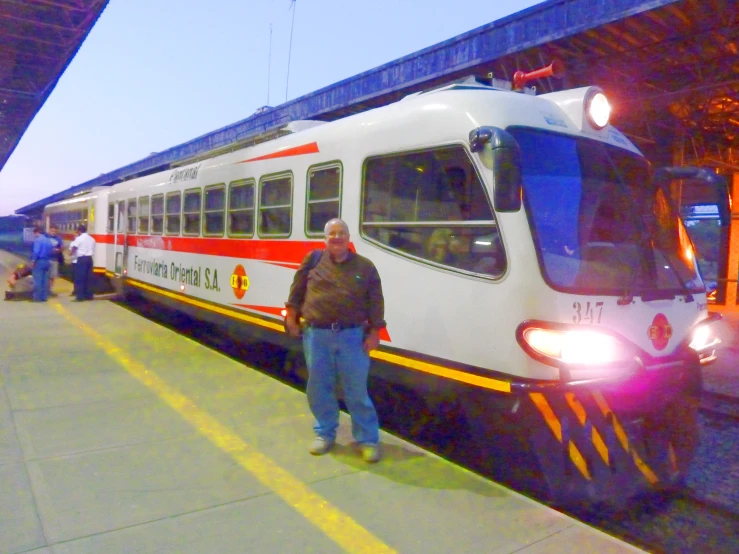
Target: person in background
pixel 57 259
pixel 82 249
pixel 41 263
pixel 20 283
pixel 340 298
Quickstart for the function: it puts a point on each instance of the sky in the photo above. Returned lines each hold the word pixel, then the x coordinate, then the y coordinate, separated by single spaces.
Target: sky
pixel 153 74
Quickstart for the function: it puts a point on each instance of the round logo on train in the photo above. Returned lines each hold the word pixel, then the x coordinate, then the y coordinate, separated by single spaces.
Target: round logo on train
pixel 660 331
pixel 239 281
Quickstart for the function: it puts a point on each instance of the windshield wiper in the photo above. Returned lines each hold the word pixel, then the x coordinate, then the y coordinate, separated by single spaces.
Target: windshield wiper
pixel 686 292
pixel 652 295
pixel 658 295
pixel 628 296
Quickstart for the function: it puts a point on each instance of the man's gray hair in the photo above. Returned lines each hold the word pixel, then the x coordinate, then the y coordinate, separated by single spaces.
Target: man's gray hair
pixel 331 222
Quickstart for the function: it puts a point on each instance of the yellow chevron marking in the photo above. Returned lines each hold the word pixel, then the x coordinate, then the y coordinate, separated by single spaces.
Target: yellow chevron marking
pixel 579 461
pixel 549 416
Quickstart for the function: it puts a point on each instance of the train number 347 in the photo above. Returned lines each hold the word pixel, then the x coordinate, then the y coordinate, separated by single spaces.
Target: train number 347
pixel 589 312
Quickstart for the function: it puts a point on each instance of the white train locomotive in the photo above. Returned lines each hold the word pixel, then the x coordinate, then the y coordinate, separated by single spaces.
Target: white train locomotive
pixel 535 274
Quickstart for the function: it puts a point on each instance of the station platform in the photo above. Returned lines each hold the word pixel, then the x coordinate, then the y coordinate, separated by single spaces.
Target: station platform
pixel 119 435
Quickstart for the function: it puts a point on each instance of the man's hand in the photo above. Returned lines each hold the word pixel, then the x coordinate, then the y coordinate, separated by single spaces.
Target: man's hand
pixel 292 326
pixel 371 341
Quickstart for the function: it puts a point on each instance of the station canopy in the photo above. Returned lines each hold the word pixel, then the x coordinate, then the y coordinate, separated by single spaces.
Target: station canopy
pixel 38 39
pixel 669 67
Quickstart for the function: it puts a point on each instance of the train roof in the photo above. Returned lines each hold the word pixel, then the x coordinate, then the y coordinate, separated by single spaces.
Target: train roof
pixel 449 106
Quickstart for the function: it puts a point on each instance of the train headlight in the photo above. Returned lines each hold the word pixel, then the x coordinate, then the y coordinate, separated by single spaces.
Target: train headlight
pixel 598 110
pixel 579 353
pixel 704 339
pixel 575 347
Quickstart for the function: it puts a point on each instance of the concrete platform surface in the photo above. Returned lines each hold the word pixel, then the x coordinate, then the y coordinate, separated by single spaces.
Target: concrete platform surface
pixel 120 436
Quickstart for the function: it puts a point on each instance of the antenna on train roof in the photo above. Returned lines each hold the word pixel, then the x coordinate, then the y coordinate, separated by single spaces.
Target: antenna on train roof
pixel 269 62
pixel 290 49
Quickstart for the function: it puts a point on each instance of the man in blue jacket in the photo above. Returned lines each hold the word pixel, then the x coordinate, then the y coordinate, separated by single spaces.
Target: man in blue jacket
pixel 43 250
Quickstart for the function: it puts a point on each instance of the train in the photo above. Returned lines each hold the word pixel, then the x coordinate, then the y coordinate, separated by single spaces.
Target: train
pixel 538 280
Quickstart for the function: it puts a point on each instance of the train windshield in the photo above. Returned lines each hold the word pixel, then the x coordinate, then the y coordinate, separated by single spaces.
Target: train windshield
pixel 599 225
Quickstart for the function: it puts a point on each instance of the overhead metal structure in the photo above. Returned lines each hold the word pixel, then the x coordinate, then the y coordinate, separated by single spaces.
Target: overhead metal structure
pixel 38 39
pixel 669 66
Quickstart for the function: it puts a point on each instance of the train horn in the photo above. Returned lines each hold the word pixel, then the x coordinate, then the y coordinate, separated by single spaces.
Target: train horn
pixel 554 69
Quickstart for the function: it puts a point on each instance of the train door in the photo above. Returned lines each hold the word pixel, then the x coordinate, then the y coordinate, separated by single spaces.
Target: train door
pixel 119 245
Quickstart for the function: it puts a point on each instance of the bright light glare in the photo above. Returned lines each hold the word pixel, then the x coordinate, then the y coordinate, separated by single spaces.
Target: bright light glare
pixel 587 347
pixel 703 337
pixel 182 287
pixel 599 110
pixel 547 342
pixel 575 347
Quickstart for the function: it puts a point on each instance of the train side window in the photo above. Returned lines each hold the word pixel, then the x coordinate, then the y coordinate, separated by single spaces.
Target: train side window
pixel 275 206
pixel 121 217
pixel 132 216
pixel 324 198
pixel 157 214
pixel 431 205
pixel 172 216
pixel 241 208
pixel 111 217
pixel 214 210
pixel 191 212
pixel 143 215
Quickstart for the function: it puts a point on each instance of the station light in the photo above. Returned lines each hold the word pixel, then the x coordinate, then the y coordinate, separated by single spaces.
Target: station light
pixel 598 110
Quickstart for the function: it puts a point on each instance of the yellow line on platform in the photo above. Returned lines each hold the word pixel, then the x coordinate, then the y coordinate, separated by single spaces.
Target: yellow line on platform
pixel 337 525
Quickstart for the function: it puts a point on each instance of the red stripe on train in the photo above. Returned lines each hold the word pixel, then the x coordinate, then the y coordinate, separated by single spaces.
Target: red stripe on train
pixel 286 253
pixel 104 239
pixel 311 148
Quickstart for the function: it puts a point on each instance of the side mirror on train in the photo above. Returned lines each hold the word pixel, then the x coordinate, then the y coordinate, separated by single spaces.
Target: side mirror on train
pixel 703 190
pixel 506 164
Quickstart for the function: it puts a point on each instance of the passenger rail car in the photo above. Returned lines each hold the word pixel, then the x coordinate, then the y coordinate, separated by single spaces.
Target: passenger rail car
pixel 86 209
pixel 536 277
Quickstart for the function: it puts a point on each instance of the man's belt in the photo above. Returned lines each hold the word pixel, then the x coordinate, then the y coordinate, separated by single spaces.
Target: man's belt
pixel 334 326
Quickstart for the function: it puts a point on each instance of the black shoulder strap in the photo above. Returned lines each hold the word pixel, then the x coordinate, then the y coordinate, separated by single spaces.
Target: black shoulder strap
pixel 315 257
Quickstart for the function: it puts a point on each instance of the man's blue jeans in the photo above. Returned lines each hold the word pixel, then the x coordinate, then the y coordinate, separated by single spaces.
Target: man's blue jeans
pixel 40 274
pixel 334 356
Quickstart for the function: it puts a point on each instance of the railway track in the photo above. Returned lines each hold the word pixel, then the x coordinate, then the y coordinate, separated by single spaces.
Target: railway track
pixel 721 406
pixel 674 523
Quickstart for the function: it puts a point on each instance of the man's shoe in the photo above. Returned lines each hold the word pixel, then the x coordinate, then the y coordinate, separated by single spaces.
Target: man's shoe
pixel 320 446
pixel 370 453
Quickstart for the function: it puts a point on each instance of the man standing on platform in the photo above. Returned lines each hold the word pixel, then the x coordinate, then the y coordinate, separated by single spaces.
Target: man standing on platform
pixel 82 249
pixel 41 260
pixel 57 258
pixel 340 298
